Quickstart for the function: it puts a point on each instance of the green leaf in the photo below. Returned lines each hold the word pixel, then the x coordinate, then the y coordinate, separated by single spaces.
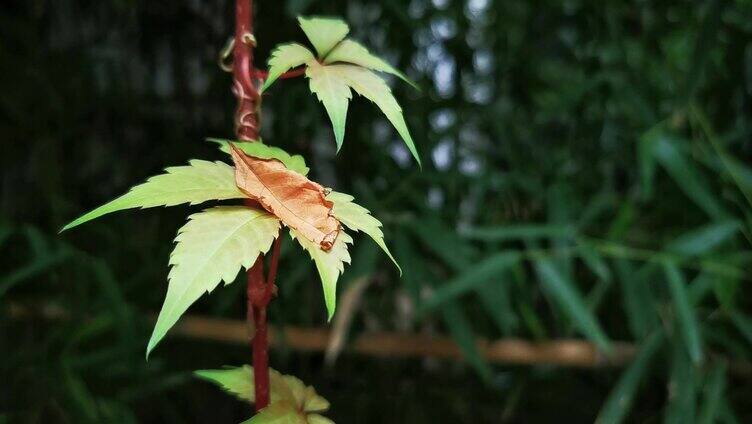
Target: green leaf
pixel 682 392
pixel 260 150
pixel 619 401
pixel 283 412
pixel 199 182
pixel 646 160
pixel 743 324
pixel 512 232
pixel 212 247
pixel 570 300
pixel 462 332
pixel 329 265
pixel 324 33
pixel 714 388
pixel 476 275
pixel 637 298
pixel 705 239
pixel 375 89
pixel 350 51
pixel 358 218
pixel 687 177
pixel 333 92
pixel 332 84
pixel 686 319
pixel 284 58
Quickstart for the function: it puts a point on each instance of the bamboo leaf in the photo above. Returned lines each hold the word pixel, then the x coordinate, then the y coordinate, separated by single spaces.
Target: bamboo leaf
pixel 686 319
pixel 358 218
pixel 637 299
pixel 284 58
pixel 350 51
pixel 324 33
pixel 714 388
pixel 462 333
pixel 330 265
pixel 619 401
pixel 211 247
pixel 705 239
pixel 474 276
pixel 681 388
pixel 566 295
pixel 199 182
pixel 687 177
pixel 514 232
pixel 743 324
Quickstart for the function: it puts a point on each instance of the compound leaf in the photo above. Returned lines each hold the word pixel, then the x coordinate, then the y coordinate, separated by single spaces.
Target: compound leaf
pixel 350 51
pixel 330 264
pixel 284 58
pixel 358 218
pixel 324 33
pixel 198 182
pixel 212 247
pixel 332 84
pixel 375 89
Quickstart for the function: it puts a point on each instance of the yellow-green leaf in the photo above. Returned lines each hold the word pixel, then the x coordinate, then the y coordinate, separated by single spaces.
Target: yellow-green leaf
pixel 284 58
pixel 350 51
pixel 332 83
pixel 358 218
pixel 212 247
pixel 329 264
pixel 375 89
pixel 283 412
pixel 331 90
pixel 324 33
pixel 286 392
pixel 239 382
pixel 199 182
pixel 318 419
pixel 260 150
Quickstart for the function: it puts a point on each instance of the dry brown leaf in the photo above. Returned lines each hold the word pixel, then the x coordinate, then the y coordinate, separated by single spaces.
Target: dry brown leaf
pixel 299 202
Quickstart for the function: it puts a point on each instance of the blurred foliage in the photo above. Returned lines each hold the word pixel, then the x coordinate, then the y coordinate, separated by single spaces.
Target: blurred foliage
pixel 586 173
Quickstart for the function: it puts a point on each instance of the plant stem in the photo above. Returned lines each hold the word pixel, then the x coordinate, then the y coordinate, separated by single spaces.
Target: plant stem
pixel 258 291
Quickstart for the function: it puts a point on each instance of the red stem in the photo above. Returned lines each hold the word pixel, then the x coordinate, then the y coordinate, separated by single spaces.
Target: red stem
pixel 258 291
pixel 261 74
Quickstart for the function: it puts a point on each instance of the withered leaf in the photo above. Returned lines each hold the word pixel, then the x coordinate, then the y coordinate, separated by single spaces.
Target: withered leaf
pixel 297 201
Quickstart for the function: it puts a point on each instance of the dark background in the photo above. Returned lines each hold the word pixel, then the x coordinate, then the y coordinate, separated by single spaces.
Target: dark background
pixel 605 142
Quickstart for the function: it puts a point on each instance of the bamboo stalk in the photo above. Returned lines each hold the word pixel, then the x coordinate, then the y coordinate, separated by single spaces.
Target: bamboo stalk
pixel 563 352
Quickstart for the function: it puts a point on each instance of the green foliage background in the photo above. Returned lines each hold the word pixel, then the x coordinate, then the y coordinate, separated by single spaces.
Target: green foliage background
pixel 586 174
